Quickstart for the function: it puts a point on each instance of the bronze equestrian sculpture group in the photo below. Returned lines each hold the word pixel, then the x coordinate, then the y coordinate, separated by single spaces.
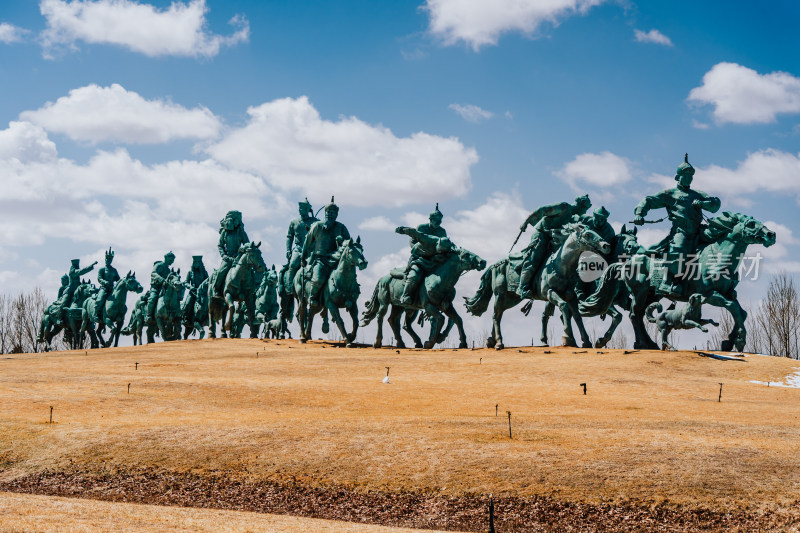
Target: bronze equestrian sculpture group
pixel 322 261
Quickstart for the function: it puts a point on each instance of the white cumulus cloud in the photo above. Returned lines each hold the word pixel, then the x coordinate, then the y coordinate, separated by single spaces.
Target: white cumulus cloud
pixel 10 33
pixel 471 113
pixel 600 170
pixel 478 22
pixel 179 30
pixel 766 170
pixel 293 148
pixel 743 96
pixel 26 142
pixel 653 36
pixel 379 223
pixel 96 114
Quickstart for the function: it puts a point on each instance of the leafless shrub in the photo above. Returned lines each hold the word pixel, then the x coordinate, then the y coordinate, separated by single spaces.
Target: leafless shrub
pixel 774 328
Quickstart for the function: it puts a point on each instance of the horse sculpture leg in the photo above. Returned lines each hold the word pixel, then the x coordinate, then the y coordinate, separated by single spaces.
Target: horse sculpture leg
pixel 576 315
pixel 549 310
pixel 410 315
pixel 353 310
pixel 639 302
pixel 616 318
pixel 738 335
pixel 455 318
pixel 436 325
pixel 568 338
pixel 496 340
pixel 394 323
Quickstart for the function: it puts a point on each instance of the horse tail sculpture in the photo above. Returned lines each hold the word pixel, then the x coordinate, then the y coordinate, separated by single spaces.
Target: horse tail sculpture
pixel 372 307
pixel 478 304
pixel 649 312
pixel 599 302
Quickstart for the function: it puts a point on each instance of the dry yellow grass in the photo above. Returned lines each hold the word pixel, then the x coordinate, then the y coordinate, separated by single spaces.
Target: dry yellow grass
pixel 50 514
pixel 650 427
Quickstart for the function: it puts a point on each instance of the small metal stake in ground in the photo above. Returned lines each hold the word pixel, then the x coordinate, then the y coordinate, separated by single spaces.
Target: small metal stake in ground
pixel 51 414
pixel 137 366
pixel 720 393
pixel 495 408
pixel 129 388
pixel 509 424
pixel 491 514
pixel 584 388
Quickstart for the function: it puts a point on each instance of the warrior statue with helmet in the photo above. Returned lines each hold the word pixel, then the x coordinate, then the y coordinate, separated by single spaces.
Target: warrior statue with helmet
pixel 75 273
pixel 107 276
pixel 685 208
pixel 296 236
pixel 423 259
pixel 598 222
pixel 161 270
pixel 320 250
pixel 194 278
pixel 48 318
pixel 545 220
pixel 231 237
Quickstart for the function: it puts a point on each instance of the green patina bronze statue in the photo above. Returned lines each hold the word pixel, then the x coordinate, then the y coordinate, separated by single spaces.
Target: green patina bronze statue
pixel 231 237
pixel 319 250
pixel 107 276
pixel 296 236
pixel 545 220
pixel 685 208
pixel 194 279
pixel 158 279
pixel 424 259
pixel 701 259
pixel 598 222
pixel 434 296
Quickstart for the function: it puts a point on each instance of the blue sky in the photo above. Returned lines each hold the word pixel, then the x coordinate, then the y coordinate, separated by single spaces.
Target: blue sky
pixel 138 125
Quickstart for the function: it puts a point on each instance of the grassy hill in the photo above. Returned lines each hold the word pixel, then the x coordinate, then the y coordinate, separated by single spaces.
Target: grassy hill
pixel 311 430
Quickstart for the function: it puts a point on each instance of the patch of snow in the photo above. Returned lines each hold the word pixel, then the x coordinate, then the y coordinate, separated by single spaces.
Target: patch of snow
pixel 792 381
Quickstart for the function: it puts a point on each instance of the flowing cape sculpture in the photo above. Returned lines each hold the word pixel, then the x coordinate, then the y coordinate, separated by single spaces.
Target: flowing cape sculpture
pixel 553 282
pixel 435 295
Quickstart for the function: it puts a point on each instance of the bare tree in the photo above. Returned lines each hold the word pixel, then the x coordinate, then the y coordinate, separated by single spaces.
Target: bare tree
pixel 5 324
pixel 775 326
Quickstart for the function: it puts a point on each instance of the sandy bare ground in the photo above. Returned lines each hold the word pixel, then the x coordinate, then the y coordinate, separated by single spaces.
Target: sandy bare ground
pixel 52 514
pixel 312 431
